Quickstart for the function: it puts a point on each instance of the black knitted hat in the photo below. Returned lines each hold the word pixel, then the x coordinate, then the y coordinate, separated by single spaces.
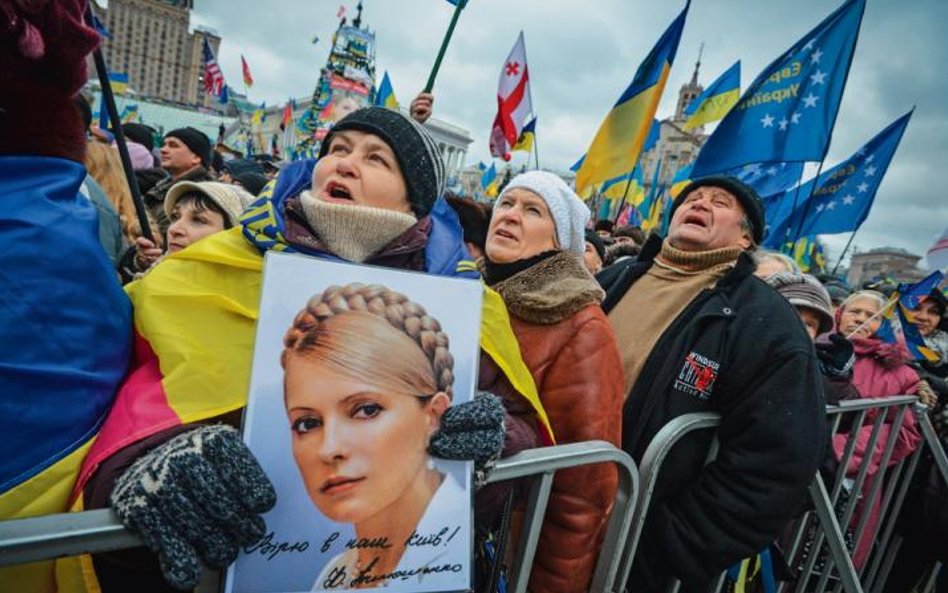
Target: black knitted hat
pixel 417 153
pixel 596 240
pixel 140 133
pixel 744 193
pixel 196 141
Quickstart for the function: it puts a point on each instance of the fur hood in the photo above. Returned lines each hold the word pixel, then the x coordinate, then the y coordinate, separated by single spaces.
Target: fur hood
pixel 550 291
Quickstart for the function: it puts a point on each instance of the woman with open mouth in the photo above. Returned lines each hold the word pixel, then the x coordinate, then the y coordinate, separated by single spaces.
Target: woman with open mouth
pixel 363 398
pixel 372 197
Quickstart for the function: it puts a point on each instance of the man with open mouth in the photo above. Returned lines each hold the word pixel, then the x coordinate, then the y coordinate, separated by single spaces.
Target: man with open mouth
pixel 697 332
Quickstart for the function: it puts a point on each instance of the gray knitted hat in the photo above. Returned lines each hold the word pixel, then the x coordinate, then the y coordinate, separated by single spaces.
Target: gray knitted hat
pixel 570 214
pixel 417 153
pixel 803 290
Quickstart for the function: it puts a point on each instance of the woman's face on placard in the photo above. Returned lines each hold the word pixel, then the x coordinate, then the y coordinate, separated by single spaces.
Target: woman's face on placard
pixel 358 448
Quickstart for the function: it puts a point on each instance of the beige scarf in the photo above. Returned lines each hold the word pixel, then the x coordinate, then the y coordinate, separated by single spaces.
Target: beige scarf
pixel 354 233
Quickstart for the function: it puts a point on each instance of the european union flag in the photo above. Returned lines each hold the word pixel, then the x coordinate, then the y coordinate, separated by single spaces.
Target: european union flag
pixel 913 294
pixel 769 179
pixel 839 200
pixel 788 112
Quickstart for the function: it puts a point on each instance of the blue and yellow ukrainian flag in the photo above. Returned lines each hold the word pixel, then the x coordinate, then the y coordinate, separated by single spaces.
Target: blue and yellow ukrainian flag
pixel 716 100
pixel 527 136
pixel 623 132
pixel 386 94
pixel 489 181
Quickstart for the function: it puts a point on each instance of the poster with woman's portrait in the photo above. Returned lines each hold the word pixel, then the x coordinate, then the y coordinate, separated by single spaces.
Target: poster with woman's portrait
pixel 353 368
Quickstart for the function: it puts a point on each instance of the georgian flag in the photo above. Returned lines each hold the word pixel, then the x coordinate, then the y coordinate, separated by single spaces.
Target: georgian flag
pixel 514 105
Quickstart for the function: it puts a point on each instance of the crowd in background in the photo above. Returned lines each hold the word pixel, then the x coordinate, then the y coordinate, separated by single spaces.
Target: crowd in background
pixel 610 333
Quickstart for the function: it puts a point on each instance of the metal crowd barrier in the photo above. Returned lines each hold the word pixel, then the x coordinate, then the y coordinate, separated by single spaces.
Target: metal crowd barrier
pixel 68 534
pixel 544 462
pixel 823 526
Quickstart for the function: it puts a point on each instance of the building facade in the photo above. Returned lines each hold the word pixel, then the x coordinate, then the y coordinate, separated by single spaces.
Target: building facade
pixel 676 147
pixel 884 262
pixel 151 41
pixel 453 141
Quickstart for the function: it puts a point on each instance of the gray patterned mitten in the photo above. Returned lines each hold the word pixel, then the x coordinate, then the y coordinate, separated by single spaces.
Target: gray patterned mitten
pixel 196 498
pixel 473 430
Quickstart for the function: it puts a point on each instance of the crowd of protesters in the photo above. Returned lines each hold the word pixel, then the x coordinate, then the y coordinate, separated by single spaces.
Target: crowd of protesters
pixel 620 332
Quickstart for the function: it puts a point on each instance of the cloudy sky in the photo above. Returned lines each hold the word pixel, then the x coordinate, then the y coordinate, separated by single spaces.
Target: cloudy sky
pixel 582 55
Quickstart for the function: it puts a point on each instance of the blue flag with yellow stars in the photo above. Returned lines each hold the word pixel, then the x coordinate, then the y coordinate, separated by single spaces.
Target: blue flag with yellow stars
pixel 838 201
pixel 788 112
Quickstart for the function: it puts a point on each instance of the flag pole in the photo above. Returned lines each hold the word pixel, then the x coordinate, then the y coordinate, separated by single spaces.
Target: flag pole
pixel 108 98
pixel 806 205
pixel 459 6
pixel 845 249
pixel 625 195
pixel 536 149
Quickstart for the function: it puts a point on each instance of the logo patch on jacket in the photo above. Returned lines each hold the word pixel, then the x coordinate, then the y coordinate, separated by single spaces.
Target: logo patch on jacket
pixel 697 376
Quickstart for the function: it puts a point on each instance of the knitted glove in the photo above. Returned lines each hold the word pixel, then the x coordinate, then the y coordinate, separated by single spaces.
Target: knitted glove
pixel 472 430
pixel 195 499
pixel 836 356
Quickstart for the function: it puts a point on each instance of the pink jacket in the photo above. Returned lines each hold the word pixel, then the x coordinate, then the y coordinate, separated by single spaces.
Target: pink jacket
pixel 879 371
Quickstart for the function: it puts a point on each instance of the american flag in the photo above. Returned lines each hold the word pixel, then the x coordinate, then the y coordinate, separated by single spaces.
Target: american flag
pixel 213 77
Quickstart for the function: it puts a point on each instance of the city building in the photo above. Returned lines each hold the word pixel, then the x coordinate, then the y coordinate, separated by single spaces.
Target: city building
pixel 676 147
pixel 890 262
pixel 151 42
pixel 453 140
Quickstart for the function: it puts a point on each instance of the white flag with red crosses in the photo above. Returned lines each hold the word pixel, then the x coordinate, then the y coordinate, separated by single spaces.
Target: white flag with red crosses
pixel 514 105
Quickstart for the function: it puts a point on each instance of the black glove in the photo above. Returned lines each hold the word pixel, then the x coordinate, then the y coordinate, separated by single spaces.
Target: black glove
pixel 196 498
pixel 473 430
pixel 836 356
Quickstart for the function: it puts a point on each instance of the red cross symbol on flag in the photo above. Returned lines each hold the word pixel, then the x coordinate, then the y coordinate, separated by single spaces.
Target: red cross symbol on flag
pixel 513 68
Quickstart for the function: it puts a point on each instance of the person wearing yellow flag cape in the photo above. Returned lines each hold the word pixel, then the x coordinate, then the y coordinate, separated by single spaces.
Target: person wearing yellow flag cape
pixel 193 492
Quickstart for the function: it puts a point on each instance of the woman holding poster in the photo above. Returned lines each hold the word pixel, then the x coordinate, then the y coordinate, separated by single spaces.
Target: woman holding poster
pixel 367 378
pixel 373 197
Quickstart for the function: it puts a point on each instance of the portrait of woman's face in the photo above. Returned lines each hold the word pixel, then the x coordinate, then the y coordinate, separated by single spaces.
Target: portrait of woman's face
pixel 359 448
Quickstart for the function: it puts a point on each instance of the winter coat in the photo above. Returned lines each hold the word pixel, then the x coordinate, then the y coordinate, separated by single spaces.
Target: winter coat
pixel 737 349
pixel 880 371
pixel 570 349
pixel 216 283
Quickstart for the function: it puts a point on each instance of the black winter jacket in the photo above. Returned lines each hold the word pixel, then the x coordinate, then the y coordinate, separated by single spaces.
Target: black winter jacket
pixel 740 350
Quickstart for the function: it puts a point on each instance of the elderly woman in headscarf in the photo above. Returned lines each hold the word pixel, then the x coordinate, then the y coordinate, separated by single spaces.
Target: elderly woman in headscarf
pixel 881 370
pixel 371 198
pixel 534 259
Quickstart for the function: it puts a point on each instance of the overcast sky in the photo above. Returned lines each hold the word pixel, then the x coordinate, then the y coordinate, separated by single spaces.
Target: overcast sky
pixel 582 55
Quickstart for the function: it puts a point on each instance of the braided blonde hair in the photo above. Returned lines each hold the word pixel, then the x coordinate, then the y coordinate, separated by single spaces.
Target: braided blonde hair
pixel 356 328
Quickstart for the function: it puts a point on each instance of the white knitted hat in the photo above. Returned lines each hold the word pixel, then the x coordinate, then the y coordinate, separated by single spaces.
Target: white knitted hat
pixel 569 213
pixel 232 199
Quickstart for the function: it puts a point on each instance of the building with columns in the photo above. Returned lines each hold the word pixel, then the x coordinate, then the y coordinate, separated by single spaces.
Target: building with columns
pixel 151 41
